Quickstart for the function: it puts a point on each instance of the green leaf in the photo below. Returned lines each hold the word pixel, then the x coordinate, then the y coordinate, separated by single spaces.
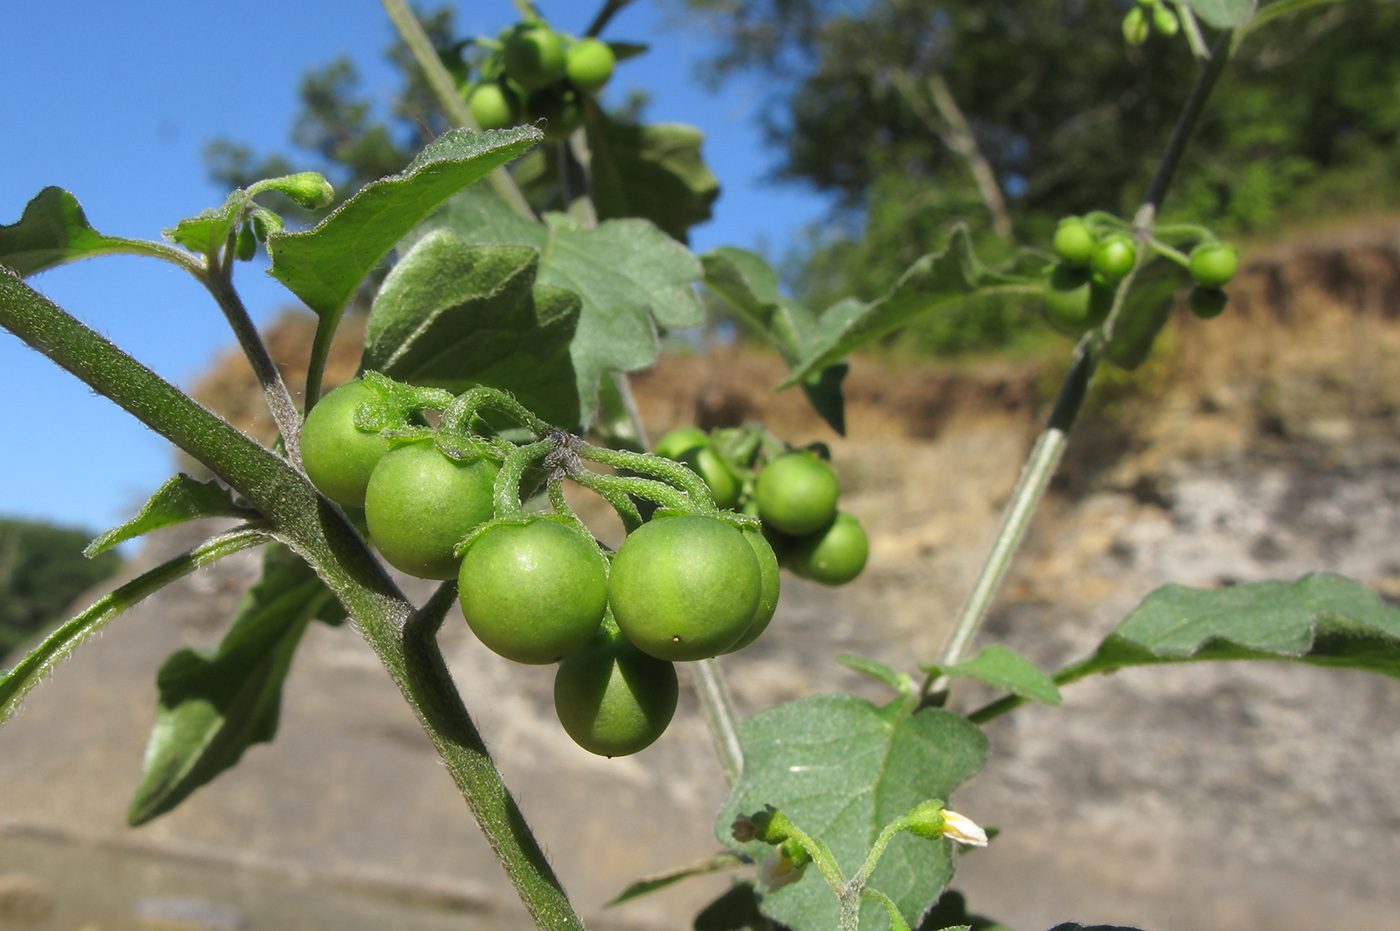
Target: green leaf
pixel 896 680
pixel 207 231
pixel 1322 620
pixel 1002 667
pixel 1145 312
pixel 842 769
pixel 735 910
pixel 651 884
pixel 1281 8
pixel 746 283
pixel 631 276
pixel 937 282
pixel 654 172
pixel 29 671
pixel 53 230
pixel 625 50
pixel 451 316
pixel 1223 14
pixel 179 500
pixel 324 265
pixel 214 704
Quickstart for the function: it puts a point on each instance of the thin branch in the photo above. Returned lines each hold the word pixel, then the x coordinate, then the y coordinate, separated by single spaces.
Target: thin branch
pixel 446 92
pixel 1049 447
pixel 279 399
pixel 956 133
pixel 718 711
pixel 600 22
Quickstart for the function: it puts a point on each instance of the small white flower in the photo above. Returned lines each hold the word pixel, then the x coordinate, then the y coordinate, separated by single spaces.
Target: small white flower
pixel 963 829
pixel 778 871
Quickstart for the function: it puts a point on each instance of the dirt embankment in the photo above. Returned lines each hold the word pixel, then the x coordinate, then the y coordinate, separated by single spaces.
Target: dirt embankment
pixel 1260 445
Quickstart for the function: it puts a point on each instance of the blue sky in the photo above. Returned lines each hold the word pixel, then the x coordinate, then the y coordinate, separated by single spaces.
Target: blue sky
pixel 115 100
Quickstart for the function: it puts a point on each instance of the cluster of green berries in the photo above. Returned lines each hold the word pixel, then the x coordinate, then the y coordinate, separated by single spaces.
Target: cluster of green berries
pixel 694 582
pixel 1147 15
pixel 795 495
pixel 1095 257
pixel 539 74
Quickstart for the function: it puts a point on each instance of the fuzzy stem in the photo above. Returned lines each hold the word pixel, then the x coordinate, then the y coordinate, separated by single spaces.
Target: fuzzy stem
pixel 718 710
pixel 1049 447
pixel 446 92
pixel 318 532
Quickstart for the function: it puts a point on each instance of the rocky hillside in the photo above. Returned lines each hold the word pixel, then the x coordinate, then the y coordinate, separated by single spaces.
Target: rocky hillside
pixel 1262 445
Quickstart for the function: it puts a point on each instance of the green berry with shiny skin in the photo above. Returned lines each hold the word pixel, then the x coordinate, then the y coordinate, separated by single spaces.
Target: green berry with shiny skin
pixel 493 106
pixel 1213 264
pixel 534 56
pixel 684 588
pixel 1074 242
pixel 589 64
pixel 675 442
pixel 420 504
pixel 612 698
pixel 533 593
pixel 797 493
pixel 771 583
pixel 834 555
pixel 339 458
pixel 1115 255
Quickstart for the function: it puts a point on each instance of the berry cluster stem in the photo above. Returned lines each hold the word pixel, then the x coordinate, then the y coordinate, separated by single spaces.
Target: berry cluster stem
pixel 1049 447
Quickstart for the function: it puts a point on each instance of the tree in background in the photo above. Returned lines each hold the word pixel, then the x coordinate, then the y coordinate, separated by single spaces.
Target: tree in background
pixel 1013 113
pixel 42 570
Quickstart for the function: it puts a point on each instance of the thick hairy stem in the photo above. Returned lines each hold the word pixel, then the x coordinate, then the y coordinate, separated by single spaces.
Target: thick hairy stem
pixel 318 532
pixel 279 399
pixel 446 92
pixel 1050 446
pixel 436 699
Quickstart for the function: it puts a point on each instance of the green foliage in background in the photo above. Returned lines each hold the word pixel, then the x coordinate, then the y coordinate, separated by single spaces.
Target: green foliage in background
pixel 42 570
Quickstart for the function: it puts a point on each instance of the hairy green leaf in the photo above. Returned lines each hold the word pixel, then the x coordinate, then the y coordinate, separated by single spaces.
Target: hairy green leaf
pixel 214 704
pixel 1002 667
pixel 1281 8
pixel 895 679
pixel 1223 14
pixel 1145 312
pixel 1322 620
pixel 631 276
pixel 936 282
pixel 842 769
pixel 452 316
pixel 324 265
pixel 208 231
pixel 750 287
pixel 180 499
pixel 29 671
pixel 53 230
pixel 651 884
pixel 654 172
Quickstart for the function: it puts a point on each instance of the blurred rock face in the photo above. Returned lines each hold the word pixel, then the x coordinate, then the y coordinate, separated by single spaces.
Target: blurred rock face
pixel 1261 445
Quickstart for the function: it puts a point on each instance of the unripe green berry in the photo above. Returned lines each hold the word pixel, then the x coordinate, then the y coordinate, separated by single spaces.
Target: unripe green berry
pixel 1135 26
pixel 1074 242
pixel 1207 303
pixel 589 64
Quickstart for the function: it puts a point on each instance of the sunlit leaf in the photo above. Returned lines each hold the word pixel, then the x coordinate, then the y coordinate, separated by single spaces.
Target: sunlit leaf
pixel 631 276
pixel 324 265
pixel 180 499
pixel 214 704
pixel 652 171
pixel 53 230
pixel 1003 668
pixel 842 769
